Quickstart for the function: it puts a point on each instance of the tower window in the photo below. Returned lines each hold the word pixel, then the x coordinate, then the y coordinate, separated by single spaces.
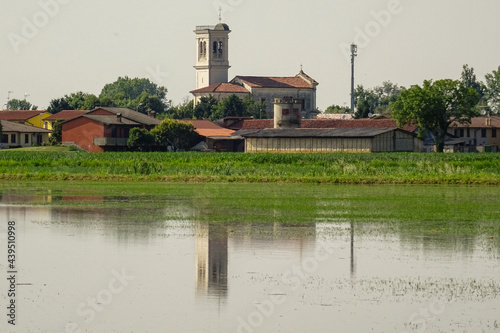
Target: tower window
pixel 215 47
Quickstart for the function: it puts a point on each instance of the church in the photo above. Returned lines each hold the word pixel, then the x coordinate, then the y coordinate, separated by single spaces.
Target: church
pixel 212 66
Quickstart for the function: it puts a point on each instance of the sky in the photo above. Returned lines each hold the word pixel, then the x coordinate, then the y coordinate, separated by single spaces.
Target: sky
pixel 50 48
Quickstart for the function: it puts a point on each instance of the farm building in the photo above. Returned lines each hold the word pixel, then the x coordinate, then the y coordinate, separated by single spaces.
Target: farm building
pixel 300 140
pixel 26 117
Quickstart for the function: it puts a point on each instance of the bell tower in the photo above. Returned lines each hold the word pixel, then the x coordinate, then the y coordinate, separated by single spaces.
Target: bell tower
pixel 212 63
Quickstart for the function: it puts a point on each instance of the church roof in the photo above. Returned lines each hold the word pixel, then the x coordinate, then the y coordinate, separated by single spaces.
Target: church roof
pixel 221 88
pixel 300 81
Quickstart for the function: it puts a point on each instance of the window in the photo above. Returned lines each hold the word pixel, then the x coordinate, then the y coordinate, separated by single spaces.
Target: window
pixel 214 46
pixel 26 138
pixel 12 138
pixel 461 132
pixel 483 132
pixel 493 132
pixel 5 138
pixel 468 132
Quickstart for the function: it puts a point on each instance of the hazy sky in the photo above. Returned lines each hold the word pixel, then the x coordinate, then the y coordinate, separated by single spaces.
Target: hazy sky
pixel 55 47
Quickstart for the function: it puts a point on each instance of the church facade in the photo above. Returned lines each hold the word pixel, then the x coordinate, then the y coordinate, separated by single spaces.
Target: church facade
pixel 212 66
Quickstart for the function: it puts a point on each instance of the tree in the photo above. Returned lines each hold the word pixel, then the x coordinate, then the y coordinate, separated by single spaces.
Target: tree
pixel 434 106
pixel 184 110
pixel 18 104
pixel 231 106
pixel 338 109
pixel 492 89
pixel 56 136
pixel 255 109
pixel 74 101
pixel 176 134
pixel 140 139
pixel 204 109
pixel 138 94
pixel 469 80
pixel 376 100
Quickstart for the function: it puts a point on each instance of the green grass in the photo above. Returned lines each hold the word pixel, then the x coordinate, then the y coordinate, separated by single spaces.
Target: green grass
pixel 395 168
pixel 414 210
pixel 43 149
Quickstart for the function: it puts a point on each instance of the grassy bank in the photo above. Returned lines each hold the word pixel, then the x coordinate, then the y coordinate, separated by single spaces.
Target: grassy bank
pixel 395 168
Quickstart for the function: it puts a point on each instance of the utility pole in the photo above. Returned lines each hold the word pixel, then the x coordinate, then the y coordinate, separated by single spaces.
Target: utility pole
pixel 354 50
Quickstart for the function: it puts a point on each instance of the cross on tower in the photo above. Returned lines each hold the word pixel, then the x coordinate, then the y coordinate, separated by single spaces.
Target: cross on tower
pixel 220 14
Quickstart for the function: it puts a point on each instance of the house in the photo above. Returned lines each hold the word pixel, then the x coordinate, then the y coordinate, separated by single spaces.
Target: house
pixel 482 134
pixel 15 135
pixel 26 117
pixel 62 116
pixel 216 137
pixel 212 65
pixel 104 128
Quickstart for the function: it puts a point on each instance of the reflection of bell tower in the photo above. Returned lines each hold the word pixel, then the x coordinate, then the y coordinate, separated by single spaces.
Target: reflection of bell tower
pixel 212 63
pixel 211 259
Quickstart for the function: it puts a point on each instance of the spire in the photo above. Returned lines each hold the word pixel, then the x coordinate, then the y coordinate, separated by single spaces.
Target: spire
pixel 220 14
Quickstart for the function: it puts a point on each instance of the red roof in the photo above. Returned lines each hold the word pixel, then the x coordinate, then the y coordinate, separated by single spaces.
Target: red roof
pixel 275 82
pixel 66 115
pixel 207 128
pixel 480 122
pixel 329 123
pixel 222 88
pixel 19 114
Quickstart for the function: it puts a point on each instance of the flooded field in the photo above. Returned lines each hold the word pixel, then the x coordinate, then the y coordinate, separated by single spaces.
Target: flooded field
pixel 198 258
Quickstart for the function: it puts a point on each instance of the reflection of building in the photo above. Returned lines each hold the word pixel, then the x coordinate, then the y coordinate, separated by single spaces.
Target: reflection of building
pixel 211 259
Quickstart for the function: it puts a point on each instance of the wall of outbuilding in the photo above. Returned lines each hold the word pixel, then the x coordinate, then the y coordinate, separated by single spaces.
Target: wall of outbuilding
pixel 82 131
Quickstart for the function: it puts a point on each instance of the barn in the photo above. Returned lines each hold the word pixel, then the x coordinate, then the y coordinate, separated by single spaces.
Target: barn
pixel 303 140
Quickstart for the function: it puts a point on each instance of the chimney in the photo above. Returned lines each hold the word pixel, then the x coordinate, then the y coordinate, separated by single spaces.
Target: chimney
pixel 119 117
pixel 151 113
pixel 488 121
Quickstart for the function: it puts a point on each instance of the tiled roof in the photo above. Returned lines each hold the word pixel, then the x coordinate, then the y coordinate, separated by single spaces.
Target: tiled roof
pixel 66 115
pixel 9 126
pixel 326 123
pixel 207 128
pixel 132 115
pixel 110 119
pixel 20 114
pixel 221 88
pixel 480 122
pixel 274 82
pixel 308 133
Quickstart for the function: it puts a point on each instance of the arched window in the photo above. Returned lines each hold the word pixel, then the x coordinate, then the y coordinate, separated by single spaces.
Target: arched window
pixel 204 48
pixel 215 47
pixel 220 48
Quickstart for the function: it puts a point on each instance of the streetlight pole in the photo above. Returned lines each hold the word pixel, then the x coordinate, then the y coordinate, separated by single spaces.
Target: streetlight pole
pixel 354 50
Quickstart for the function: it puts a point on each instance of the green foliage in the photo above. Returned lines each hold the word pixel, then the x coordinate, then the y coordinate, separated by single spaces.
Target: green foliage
pixel 56 136
pixel 18 104
pixel 205 107
pixel 140 139
pixel 255 109
pixel 176 134
pixel 74 101
pixel 376 100
pixel 436 105
pixel 137 94
pixel 231 106
pixel 337 109
pixel 184 110
pixel 492 90
pixel 469 80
